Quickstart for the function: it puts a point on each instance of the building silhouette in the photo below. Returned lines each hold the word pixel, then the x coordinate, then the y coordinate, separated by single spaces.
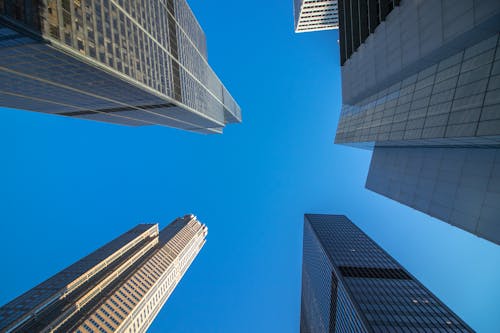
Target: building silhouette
pixel 314 15
pixel 421 87
pixel 124 62
pixel 350 284
pixel 120 287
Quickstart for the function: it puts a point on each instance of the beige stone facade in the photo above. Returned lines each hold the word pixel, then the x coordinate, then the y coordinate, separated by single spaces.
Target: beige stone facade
pixel 120 287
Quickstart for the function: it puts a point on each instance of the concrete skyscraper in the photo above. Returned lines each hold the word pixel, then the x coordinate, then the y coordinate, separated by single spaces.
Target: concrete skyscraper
pixel 421 87
pixel 120 287
pixel 127 62
pixel 314 15
pixel 350 284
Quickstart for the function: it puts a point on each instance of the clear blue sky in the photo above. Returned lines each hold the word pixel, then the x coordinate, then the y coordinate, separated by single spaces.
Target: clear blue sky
pixel 68 186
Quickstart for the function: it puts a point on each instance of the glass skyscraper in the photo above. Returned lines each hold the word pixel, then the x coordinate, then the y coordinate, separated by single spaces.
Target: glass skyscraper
pixel 421 87
pixel 129 62
pixel 350 284
pixel 120 287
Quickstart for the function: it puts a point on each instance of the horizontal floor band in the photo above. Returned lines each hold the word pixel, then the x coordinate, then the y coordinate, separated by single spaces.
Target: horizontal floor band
pixel 120 109
pixel 374 272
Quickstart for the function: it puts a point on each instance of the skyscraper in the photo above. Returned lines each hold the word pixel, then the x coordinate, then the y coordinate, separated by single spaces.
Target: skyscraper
pixel 421 87
pixel 126 62
pixel 350 284
pixel 120 287
pixel 314 15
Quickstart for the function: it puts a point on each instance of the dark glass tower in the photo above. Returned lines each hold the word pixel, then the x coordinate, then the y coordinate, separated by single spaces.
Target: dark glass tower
pixel 350 284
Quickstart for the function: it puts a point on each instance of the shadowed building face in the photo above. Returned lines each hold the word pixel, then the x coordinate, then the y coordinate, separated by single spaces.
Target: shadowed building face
pixel 425 74
pixel 350 284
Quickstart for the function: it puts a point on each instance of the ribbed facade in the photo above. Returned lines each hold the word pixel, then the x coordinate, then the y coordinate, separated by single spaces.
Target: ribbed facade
pixel 420 75
pixel 128 62
pixel 313 15
pixel 121 287
pixel 350 284
pixel 357 20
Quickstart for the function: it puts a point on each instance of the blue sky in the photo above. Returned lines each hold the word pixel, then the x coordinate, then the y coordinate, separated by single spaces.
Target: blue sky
pixel 68 186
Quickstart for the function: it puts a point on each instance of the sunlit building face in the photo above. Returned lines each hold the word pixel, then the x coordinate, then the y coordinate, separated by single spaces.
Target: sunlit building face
pixel 120 287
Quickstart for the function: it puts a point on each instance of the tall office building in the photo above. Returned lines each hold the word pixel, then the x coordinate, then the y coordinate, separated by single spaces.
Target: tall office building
pixel 314 15
pixel 421 87
pixel 120 287
pixel 350 284
pixel 127 62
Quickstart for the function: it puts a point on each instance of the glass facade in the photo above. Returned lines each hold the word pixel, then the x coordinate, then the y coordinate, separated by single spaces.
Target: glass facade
pixel 358 19
pixel 118 288
pixel 154 50
pixel 460 186
pixel 317 280
pixel 420 82
pixel 448 103
pixel 350 284
pixel 427 73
